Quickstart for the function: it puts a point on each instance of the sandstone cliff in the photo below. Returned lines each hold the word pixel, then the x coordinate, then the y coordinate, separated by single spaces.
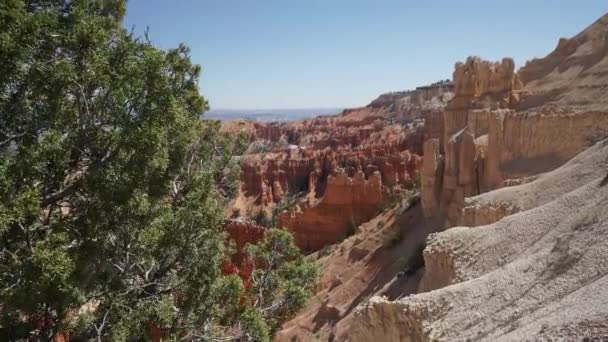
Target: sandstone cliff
pixel 371 262
pixel 523 163
pixel 531 276
pixel 455 168
pixel 340 169
pixel 501 125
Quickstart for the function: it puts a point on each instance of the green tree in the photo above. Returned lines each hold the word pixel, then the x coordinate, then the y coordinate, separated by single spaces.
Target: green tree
pixel 109 196
pixel 282 281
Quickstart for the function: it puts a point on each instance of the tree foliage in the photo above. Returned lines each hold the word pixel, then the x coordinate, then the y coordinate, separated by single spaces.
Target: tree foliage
pixel 109 196
pixel 282 278
pixel 112 188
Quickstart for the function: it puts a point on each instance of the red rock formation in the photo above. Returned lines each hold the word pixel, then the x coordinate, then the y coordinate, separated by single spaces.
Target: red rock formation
pixel 241 233
pixel 343 187
pixel 341 167
pixel 347 202
pixel 268 177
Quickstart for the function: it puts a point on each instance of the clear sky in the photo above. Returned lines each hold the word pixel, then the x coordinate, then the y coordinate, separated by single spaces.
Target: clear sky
pixel 259 54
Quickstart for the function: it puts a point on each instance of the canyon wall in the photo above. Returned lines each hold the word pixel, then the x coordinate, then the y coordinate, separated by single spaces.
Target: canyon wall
pixel 269 176
pixel 521 177
pixel 338 190
pixel 346 203
pixel 525 143
pixel 455 167
pixel 322 177
pixel 488 142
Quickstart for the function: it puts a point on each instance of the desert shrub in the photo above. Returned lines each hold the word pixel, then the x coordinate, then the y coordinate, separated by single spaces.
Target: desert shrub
pixel 352 228
pixel 587 218
pixel 325 251
pixel 113 189
pixel 282 280
pixel 259 146
pixel 229 178
pixel 418 182
pixel 393 238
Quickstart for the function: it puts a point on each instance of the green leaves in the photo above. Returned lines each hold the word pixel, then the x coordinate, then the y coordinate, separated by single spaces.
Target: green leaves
pixel 282 278
pixel 255 326
pixel 112 189
pixel 109 185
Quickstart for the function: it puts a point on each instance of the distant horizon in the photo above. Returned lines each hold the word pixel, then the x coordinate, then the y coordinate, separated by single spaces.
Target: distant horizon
pixel 344 53
pixel 276 109
pixel 269 115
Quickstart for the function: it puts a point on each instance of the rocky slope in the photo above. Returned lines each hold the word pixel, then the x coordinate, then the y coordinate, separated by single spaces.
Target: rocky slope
pixel 374 261
pixel 322 177
pixel 515 164
pixel 523 168
pixel 533 275
pixel 501 125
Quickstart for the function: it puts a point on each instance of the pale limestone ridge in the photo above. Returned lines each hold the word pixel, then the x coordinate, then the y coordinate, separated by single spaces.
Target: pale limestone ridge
pixel 492 206
pixel 537 274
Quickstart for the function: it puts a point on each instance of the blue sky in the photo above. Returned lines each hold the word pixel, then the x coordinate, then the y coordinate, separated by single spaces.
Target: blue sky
pixel 343 53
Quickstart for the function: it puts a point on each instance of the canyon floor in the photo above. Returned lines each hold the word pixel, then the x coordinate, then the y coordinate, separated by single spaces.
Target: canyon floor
pixel 470 209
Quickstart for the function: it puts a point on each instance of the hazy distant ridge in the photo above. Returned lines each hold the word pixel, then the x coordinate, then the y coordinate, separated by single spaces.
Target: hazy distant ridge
pixel 267 115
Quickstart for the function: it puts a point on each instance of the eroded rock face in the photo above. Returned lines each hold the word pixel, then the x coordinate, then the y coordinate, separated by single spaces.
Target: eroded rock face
pixel 573 75
pixel 241 232
pixel 341 189
pixel 526 143
pixel 346 203
pixel 341 169
pixel 489 140
pixel 479 87
pixel 269 176
pixel 432 178
pixel 529 261
pixel 543 267
pixel 477 78
pixel 525 193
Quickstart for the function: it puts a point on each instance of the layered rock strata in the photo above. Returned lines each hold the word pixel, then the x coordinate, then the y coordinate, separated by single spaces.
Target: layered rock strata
pixel 530 264
pixel 489 140
pixel 239 234
pixel 535 275
pixel 347 202
pixel 341 169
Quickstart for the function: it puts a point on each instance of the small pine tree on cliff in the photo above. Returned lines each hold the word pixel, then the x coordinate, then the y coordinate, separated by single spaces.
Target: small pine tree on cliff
pixel 282 282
